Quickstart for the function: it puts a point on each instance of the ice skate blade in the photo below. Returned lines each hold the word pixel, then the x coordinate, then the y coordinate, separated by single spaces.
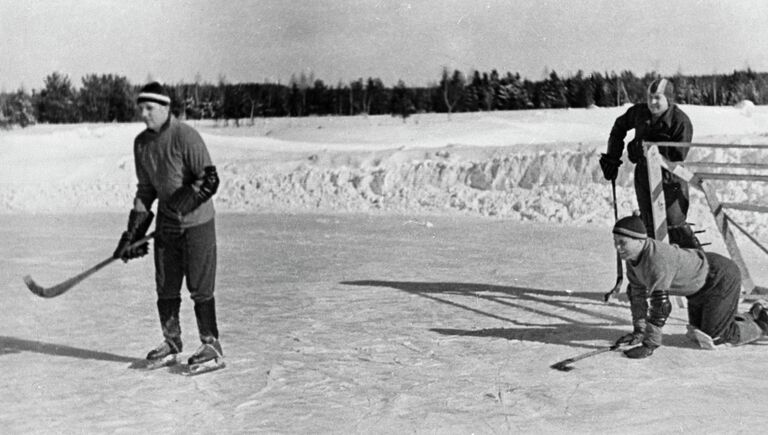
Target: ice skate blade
pixel 168 361
pixel 206 367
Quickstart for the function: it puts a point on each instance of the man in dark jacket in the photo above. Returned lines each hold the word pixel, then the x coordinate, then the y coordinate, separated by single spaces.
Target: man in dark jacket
pixel 174 167
pixel 656 120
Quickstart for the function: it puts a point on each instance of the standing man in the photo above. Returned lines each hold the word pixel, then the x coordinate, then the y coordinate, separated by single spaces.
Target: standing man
pixel 656 120
pixel 174 167
pixel 710 282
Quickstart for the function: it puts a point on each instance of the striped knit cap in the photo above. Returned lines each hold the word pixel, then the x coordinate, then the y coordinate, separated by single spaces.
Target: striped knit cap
pixel 664 87
pixel 154 92
pixel 630 226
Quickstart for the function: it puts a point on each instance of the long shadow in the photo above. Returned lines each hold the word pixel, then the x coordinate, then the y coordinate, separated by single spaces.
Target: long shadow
pixel 569 332
pixel 504 295
pixel 9 345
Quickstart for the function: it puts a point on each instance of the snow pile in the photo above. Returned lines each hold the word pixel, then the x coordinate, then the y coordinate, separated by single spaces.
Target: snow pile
pixel 530 165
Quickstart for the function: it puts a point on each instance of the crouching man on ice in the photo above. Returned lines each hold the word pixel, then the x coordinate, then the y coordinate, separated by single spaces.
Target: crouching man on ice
pixel 710 282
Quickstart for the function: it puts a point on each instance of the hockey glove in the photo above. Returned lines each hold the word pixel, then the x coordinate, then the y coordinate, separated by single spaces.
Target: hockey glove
pixel 186 199
pixel 640 352
pixel 631 339
pixel 635 151
pixel 610 166
pixel 138 224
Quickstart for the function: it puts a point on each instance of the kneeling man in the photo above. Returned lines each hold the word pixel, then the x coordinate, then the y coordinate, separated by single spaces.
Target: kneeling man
pixel 710 282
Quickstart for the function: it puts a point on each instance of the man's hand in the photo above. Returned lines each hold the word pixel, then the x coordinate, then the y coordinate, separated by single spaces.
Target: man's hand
pixel 635 151
pixel 138 224
pixel 640 352
pixel 610 166
pixel 185 199
pixel 631 339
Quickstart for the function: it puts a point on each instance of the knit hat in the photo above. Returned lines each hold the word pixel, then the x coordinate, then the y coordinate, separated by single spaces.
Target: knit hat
pixel 630 226
pixel 664 87
pixel 154 92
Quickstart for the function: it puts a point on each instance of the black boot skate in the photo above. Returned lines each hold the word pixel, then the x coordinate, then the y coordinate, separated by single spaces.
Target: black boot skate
pixel 164 355
pixel 760 315
pixel 207 358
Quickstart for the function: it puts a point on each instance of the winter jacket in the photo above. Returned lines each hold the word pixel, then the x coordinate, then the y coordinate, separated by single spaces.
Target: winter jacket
pixel 672 126
pixel 165 161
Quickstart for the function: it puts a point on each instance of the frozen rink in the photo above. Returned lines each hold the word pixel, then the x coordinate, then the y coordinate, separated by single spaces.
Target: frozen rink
pixel 356 324
pixel 375 276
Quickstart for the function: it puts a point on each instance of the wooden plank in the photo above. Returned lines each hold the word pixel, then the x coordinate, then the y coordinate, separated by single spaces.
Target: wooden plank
pixel 732 177
pixel 707 145
pixel 658 205
pixel 745 206
pixel 749 236
pixel 755 166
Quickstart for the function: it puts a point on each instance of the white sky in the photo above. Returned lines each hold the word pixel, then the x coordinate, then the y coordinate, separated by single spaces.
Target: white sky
pixel 342 40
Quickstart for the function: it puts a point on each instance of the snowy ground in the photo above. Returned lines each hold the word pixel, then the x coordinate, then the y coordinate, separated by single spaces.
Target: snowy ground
pixel 375 277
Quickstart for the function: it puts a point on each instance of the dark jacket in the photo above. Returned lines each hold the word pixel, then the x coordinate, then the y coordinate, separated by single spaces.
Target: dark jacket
pixel 673 126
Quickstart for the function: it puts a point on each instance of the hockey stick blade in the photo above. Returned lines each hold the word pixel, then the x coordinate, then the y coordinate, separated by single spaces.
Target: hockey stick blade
pixel 564 365
pixel 51 292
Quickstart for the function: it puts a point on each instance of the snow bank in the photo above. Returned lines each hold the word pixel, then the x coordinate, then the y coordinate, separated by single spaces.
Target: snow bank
pixel 531 165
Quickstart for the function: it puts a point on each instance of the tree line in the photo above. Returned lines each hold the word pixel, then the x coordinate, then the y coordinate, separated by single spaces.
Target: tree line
pixel 111 98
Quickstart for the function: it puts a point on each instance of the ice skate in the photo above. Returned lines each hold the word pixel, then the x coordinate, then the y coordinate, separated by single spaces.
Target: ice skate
pixel 760 315
pixel 164 355
pixel 207 358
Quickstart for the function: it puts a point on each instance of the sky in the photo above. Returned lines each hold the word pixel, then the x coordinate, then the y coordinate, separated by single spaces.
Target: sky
pixel 342 40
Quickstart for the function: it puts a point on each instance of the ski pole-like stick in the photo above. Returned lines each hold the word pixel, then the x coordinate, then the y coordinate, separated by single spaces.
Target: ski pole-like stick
pixel 564 365
pixel 619 266
pixel 58 289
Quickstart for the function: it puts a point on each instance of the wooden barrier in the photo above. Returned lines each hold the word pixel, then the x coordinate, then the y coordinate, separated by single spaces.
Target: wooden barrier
pixel 700 181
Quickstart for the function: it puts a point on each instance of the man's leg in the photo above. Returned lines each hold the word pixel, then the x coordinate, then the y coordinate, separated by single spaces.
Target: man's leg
pixel 201 279
pixel 719 316
pixel 168 278
pixel 676 197
pixel 643 197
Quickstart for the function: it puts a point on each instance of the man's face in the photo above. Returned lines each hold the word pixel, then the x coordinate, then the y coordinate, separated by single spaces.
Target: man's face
pixel 153 114
pixel 627 247
pixel 657 103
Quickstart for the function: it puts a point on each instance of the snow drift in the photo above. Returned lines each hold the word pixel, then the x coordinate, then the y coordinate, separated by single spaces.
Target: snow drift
pixel 531 165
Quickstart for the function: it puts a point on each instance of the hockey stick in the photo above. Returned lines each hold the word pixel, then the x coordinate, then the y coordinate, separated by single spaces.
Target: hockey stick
pixel 564 366
pixel 58 289
pixel 619 267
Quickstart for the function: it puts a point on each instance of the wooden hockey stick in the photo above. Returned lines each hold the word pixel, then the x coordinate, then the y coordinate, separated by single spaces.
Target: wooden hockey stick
pixel 564 366
pixel 58 289
pixel 619 267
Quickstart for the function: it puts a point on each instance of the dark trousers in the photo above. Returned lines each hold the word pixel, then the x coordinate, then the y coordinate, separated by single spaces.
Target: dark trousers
pixel 676 197
pixel 190 255
pixel 713 309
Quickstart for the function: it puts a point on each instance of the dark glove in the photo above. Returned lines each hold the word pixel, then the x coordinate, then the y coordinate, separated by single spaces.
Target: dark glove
pixel 610 166
pixel 138 224
pixel 185 199
pixel 640 352
pixel 631 339
pixel 635 151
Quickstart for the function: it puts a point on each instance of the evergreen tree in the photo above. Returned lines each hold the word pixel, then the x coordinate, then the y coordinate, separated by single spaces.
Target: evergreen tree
pixel 56 103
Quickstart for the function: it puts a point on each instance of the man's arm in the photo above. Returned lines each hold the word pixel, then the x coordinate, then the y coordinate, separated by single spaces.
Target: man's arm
pixel 621 126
